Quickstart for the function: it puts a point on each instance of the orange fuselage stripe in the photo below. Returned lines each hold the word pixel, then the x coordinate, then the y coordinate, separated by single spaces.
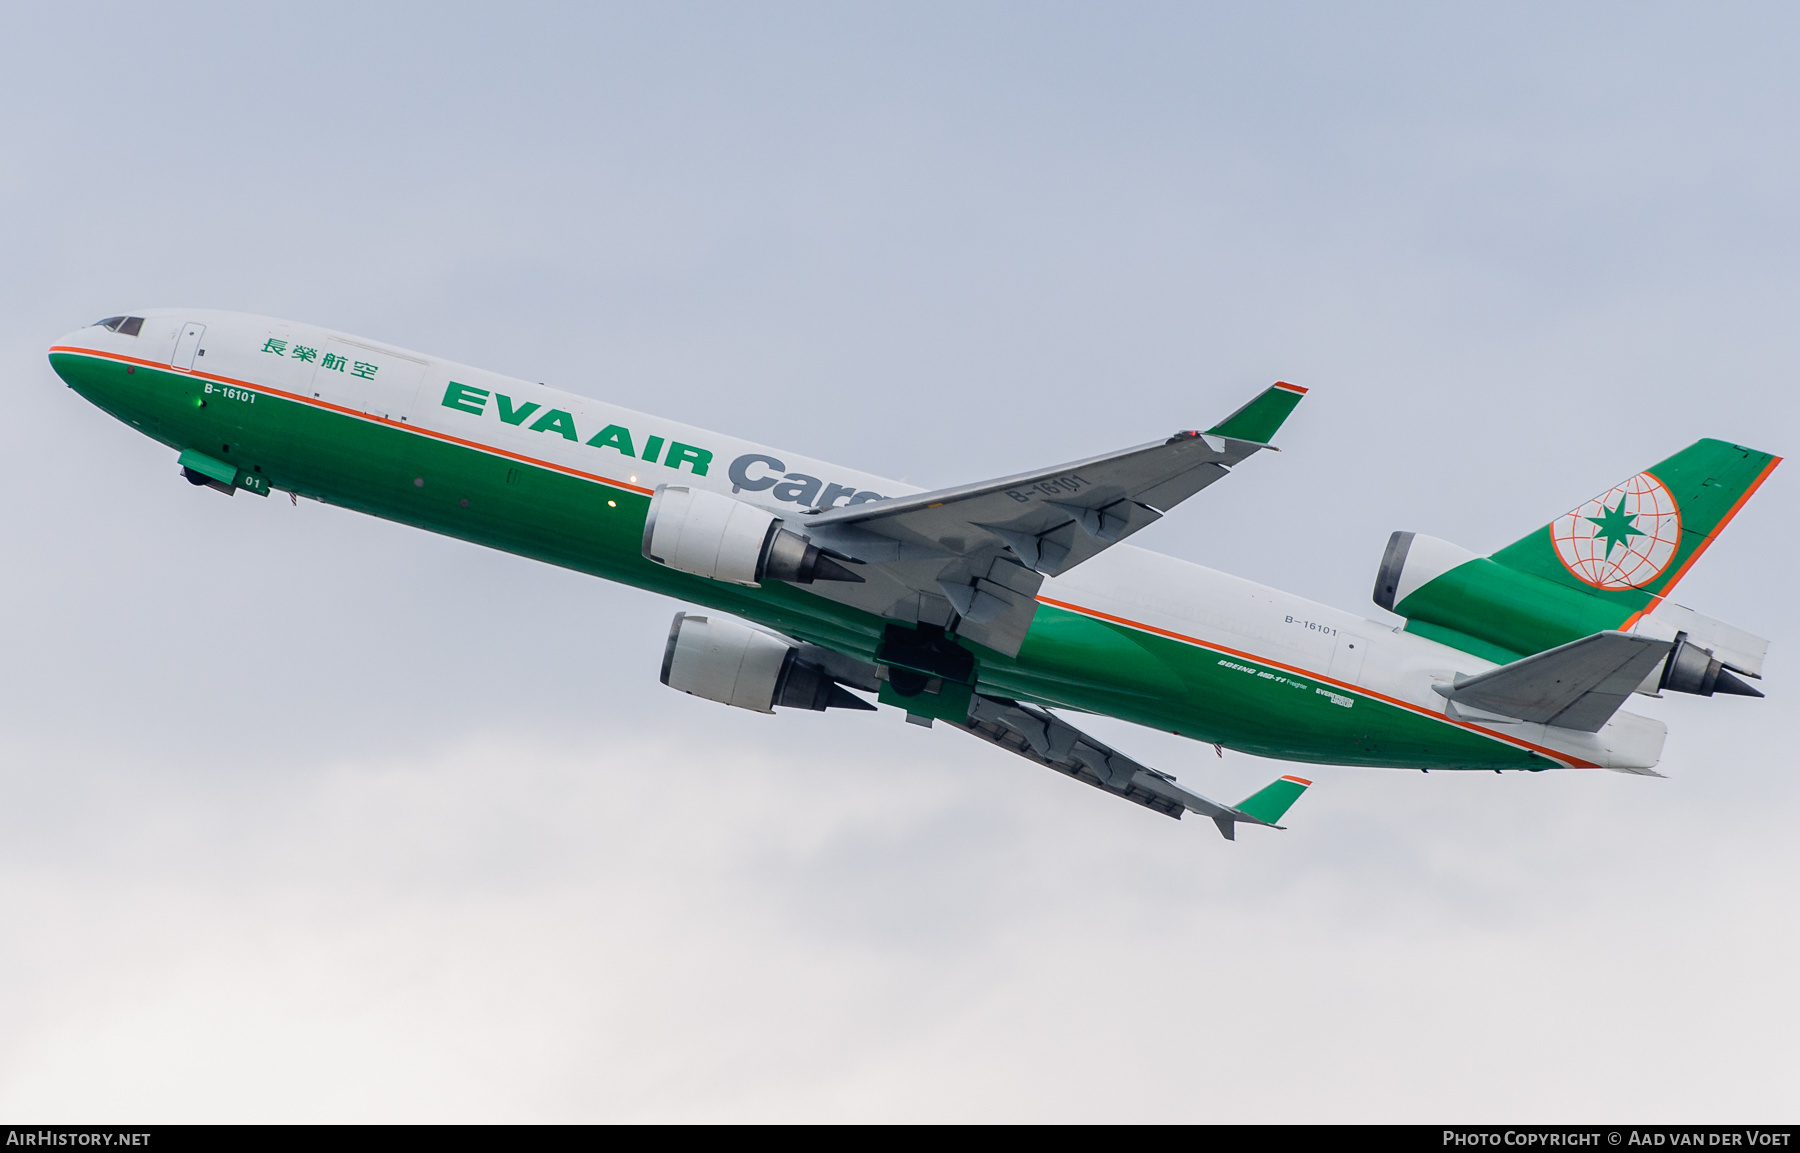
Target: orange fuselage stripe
pixel 1563 758
pixel 315 402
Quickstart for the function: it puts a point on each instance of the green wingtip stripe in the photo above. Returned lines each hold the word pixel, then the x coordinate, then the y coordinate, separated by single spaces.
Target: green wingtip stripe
pixel 1274 799
pixel 1259 420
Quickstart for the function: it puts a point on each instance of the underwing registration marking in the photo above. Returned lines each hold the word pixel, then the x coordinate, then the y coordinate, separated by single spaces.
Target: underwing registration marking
pixel 1056 486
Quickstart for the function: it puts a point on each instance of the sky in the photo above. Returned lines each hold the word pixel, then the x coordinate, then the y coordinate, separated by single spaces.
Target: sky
pixel 309 817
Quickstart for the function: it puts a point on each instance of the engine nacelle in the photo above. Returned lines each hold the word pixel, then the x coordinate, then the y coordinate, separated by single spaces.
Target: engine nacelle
pixel 1692 669
pixel 1432 582
pixel 711 535
pixel 735 664
pixel 1411 561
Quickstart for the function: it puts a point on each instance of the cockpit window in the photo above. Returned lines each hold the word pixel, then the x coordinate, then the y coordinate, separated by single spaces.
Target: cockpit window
pixel 123 325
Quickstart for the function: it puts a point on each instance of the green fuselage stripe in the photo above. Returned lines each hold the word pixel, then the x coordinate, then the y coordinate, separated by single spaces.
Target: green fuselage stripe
pixel 1073 657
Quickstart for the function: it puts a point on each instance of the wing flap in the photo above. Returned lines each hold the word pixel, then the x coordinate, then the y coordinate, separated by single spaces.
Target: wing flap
pixel 1046 739
pixel 1054 518
pixel 970 558
pixel 1178 488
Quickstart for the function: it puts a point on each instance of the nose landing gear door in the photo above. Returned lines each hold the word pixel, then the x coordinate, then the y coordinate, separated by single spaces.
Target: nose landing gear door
pixel 364 378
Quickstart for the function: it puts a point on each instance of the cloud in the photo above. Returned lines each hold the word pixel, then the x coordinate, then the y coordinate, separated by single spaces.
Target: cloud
pixel 690 927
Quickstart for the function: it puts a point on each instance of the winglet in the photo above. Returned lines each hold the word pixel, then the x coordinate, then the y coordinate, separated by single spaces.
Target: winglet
pixel 1269 803
pixel 1259 420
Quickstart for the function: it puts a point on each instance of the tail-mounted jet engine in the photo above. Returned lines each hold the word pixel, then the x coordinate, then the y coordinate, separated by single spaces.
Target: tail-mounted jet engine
pixel 712 535
pixel 1692 669
pixel 735 664
pixel 1440 584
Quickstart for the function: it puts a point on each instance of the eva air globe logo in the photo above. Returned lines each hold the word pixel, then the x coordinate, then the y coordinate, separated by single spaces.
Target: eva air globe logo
pixel 1622 539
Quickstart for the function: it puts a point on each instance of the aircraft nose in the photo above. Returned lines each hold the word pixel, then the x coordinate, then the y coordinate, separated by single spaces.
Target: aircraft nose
pixel 77 338
pixel 104 334
pixel 61 350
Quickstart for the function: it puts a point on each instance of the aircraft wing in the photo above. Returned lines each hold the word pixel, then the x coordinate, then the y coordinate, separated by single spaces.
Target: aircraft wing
pixel 1045 739
pixel 973 557
pixel 1579 685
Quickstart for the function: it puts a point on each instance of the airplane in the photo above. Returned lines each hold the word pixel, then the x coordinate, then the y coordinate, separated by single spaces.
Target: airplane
pixel 995 606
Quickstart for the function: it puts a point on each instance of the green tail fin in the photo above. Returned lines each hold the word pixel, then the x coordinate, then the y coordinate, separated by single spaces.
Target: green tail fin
pixel 1630 544
pixel 1258 421
pixel 1274 799
pixel 1601 566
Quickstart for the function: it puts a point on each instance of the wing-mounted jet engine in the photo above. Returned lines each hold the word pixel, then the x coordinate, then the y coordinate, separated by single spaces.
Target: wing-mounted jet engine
pixel 711 535
pixel 736 664
pixel 747 667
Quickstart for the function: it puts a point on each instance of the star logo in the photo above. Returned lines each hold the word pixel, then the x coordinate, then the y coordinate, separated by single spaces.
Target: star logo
pixel 1625 538
pixel 1617 527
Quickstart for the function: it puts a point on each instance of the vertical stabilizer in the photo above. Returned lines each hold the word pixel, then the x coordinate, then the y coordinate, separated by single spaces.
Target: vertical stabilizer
pixel 1630 544
pixel 1602 566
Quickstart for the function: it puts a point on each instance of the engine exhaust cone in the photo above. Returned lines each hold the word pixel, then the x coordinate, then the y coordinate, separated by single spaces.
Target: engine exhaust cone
pixel 827 569
pixel 1727 683
pixel 788 556
pixel 842 698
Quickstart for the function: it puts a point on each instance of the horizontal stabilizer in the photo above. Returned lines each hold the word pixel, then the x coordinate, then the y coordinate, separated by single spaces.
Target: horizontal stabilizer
pixel 1578 686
